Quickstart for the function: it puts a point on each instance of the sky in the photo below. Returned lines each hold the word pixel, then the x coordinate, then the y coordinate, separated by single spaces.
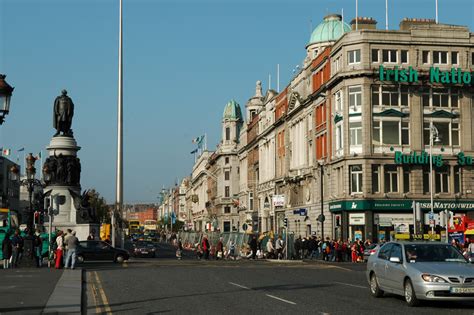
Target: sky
pixel 183 61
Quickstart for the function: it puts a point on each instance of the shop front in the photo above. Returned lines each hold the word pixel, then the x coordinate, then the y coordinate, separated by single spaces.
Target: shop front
pixel 388 220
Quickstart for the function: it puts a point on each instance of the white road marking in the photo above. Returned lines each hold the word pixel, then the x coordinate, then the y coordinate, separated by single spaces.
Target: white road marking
pixel 351 285
pixel 240 286
pixel 280 299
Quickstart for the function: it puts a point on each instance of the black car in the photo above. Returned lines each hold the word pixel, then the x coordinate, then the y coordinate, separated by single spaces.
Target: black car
pixel 99 250
pixel 144 249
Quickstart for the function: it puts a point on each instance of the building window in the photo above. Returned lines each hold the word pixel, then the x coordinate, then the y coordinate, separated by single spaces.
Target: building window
pixel 391 178
pixel 356 178
pixel 353 56
pixel 339 138
pixel 390 95
pixel 472 58
pixel 448 133
pixel 355 97
pixel 227 191
pixel 389 56
pixel 227 209
pixel 406 180
pixel 426 180
pixel 454 58
pixel 375 179
pixel 375 55
pixel 226 175
pixel 338 99
pixel 440 97
pixel 226 160
pixel 426 57
pixel 442 180
pixel 355 129
pixel 250 201
pixel 440 57
pixel 391 132
pixel 227 134
pixel 457 180
pixel 404 56
pixel 226 226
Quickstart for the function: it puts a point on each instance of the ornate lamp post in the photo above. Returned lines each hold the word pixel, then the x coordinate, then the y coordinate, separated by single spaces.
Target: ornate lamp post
pixel 434 138
pixel 5 95
pixel 30 182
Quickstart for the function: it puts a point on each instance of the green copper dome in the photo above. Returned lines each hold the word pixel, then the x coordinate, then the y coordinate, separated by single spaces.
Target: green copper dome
pixel 329 30
pixel 232 111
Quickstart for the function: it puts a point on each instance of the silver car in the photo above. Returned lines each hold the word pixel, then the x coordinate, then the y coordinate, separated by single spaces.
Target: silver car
pixel 421 271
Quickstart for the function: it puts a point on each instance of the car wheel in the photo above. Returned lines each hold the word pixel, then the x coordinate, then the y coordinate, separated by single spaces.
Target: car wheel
pixel 410 296
pixel 120 259
pixel 374 287
pixel 80 258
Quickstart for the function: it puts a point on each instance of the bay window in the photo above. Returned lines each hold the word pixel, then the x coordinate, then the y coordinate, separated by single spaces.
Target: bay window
pixel 440 97
pixel 390 95
pixel 353 56
pixel 355 129
pixel 355 97
pixel 391 132
pixel 448 132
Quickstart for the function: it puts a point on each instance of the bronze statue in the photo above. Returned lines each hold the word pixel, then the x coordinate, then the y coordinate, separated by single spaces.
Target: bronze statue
pixel 62 114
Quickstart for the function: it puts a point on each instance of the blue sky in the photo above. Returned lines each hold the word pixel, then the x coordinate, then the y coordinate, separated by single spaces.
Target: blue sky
pixel 183 61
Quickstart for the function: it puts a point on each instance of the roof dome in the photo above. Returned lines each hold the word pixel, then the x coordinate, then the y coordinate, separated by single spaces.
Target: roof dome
pixel 329 30
pixel 232 111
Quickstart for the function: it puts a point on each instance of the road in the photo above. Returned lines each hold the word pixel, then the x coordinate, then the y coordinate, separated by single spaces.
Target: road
pixel 165 285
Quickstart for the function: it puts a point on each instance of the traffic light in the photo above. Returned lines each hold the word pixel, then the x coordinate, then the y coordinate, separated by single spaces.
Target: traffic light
pixel 36 217
pixel 285 222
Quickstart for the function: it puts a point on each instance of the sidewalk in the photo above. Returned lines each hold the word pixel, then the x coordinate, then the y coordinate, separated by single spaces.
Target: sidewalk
pixel 42 290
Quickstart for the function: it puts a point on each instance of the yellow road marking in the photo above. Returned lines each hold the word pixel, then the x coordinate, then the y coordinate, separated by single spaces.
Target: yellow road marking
pixel 105 302
pixel 98 310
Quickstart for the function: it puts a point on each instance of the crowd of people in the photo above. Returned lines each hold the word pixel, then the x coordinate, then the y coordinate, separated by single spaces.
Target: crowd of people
pixel 13 248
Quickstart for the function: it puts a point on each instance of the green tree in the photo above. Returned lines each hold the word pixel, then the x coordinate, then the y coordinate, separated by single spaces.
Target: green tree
pixel 98 203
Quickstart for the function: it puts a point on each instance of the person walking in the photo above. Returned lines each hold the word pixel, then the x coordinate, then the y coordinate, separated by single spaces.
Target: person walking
pixel 279 247
pixel 220 249
pixel 270 249
pixel 91 236
pixel 253 246
pixel 71 242
pixel 205 247
pixel 17 246
pixel 179 249
pixel 232 249
pixel 59 249
pixel 6 251
pixel 38 246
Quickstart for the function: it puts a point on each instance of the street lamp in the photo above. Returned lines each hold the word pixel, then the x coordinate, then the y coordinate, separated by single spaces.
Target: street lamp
pixel 434 137
pixel 30 182
pixel 5 95
pixel 321 217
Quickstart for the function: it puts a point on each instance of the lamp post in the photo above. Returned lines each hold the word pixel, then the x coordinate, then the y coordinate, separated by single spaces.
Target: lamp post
pixel 434 137
pixel 5 95
pixel 321 217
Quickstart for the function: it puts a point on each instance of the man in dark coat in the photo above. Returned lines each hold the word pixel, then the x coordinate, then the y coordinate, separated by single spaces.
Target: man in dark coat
pixel 253 246
pixel 6 251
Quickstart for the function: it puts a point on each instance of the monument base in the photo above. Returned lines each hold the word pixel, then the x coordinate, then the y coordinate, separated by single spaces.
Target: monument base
pixel 82 230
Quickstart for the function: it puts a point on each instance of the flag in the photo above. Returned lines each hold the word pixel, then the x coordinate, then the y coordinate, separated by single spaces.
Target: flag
pixel 198 139
pixel 20 150
pixel 194 151
pixel 38 157
pixel 6 152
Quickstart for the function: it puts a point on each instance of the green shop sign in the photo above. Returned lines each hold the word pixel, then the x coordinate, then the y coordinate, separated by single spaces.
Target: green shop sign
pixel 423 158
pixel 395 205
pixel 410 75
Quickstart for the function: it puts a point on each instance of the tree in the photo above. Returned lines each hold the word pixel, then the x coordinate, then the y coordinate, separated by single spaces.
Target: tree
pixel 98 203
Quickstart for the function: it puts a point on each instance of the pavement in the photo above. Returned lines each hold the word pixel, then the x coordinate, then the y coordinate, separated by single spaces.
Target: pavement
pixel 40 291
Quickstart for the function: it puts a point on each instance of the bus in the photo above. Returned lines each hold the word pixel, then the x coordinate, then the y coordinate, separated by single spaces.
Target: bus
pixel 150 226
pixel 133 226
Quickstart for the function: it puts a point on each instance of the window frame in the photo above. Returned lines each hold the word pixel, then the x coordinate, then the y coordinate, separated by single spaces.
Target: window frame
pixel 356 95
pixel 438 54
pixel 393 178
pixel 389 56
pixel 358 175
pixel 355 54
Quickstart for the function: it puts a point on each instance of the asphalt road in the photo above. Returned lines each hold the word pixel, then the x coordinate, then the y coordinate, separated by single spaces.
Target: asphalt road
pixel 165 285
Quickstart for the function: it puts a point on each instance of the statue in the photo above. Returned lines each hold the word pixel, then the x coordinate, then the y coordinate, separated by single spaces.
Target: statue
pixel 258 89
pixel 63 112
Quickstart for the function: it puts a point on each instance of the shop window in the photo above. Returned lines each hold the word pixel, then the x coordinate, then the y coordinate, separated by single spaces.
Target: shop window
pixel 454 57
pixel 404 56
pixel 375 55
pixel 457 180
pixel 426 57
pixel 353 56
pixel 355 97
pixel 440 57
pixel 356 178
pixel 442 180
pixel 389 55
pixel 406 180
pixel 355 128
pixel 375 179
pixel 391 178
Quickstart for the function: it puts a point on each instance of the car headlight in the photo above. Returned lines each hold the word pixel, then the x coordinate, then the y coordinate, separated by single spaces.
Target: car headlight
pixel 432 278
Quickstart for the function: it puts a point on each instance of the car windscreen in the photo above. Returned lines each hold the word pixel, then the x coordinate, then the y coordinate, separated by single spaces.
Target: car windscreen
pixel 433 253
pixel 144 244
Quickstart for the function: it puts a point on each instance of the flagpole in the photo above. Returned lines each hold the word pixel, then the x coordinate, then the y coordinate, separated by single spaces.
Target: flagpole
pixel 386 15
pixel 357 14
pixel 205 141
pixel 278 78
pixel 342 24
pixel 436 11
pixel 41 165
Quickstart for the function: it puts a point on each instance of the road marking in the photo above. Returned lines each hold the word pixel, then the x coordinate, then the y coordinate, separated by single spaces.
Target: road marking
pixel 240 286
pixel 351 285
pixel 105 302
pixel 280 299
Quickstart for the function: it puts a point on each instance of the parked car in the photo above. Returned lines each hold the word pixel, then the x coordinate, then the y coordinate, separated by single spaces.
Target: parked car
pixel 144 249
pixel 370 250
pixel 421 271
pixel 99 250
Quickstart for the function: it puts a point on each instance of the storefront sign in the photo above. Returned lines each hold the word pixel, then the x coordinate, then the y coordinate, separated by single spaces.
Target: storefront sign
pixel 464 160
pixel 415 158
pixel 278 200
pixel 402 236
pixel 357 219
pixel 410 75
pixel 301 212
pixel 396 205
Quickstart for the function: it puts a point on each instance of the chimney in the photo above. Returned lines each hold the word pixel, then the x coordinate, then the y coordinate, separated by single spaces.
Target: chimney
pixel 364 23
pixel 407 23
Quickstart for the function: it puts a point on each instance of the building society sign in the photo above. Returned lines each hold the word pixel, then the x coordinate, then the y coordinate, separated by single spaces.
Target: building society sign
pixel 410 75
pixel 423 158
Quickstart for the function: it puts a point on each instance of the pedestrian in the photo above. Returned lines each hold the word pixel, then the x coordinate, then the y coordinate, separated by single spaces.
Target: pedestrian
pixel 232 249
pixel 205 247
pixel 71 243
pixel 59 249
pixel 279 244
pixel 17 246
pixel 91 236
pixel 253 246
pixel 220 249
pixel 297 246
pixel 470 248
pixel 6 251
pixel 179 249
pixel 65 239
pixel 270 249
pixel 38 247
